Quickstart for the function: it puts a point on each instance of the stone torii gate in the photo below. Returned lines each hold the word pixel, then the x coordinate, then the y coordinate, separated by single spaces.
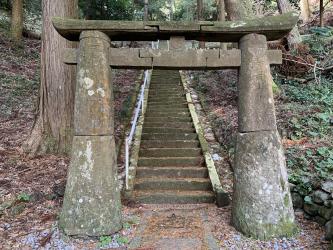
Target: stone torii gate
pixel 262 205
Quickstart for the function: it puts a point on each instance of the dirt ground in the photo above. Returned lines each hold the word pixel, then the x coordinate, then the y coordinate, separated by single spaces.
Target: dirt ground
pixel 31 190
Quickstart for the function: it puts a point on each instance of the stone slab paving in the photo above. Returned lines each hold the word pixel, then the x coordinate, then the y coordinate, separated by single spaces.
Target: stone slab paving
pixel 174 227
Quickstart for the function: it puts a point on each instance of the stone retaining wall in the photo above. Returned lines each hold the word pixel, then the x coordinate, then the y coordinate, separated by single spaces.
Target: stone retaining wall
pixel 317 206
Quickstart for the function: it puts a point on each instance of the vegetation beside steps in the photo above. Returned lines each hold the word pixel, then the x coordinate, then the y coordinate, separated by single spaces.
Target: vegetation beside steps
pixel 171 165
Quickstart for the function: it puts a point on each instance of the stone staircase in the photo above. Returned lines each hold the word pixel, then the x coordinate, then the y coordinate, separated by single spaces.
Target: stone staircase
pixel 171 167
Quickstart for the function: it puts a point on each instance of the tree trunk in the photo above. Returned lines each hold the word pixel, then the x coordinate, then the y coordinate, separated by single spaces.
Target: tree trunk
pixel 221 18
pixel 321 13
pixel 305 10
pixel 294 38
pixel 90 10
pixel 200 18
pixel 238 10
pixel 171 9
pixel 17 20
pixel 145 18
pixel 52 130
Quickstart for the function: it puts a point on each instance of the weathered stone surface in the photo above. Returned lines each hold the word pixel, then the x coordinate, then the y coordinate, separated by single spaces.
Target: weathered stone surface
pixel 274 27
pixel 320 220
pixel 320 196
pixel 274 56
pixel 177 43
pixel 329 230
pixel 128 58
pixel 325 212
pixel 92 198
pixel 328 203
pixel 311 208
pixel 327 186
pixel 144 58
pixel 297 200
pixel 93 113
pixel 262 206
pixel 255 94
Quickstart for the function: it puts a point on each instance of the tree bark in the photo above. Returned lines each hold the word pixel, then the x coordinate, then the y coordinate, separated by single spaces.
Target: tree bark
pixel 221 18
pixel 294 37
pixel 145 18
pixel 52 130
pixel 17 20
pixel 321 13
pixel 238 10
pixel 200 18
pixel 305 10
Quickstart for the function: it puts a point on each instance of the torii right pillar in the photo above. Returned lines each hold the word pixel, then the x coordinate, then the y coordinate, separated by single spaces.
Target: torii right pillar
pixel 262 205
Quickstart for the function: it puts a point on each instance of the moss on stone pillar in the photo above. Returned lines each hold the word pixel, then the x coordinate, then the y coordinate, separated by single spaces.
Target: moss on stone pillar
pixel 262 206
pixel 92 205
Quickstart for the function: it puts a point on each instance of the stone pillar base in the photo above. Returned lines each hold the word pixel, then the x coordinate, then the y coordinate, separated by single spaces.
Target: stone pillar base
pixel 262 206
pixel 92 203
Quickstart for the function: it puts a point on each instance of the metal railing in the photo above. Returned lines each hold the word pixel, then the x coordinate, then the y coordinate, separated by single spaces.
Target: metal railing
pixel 129 138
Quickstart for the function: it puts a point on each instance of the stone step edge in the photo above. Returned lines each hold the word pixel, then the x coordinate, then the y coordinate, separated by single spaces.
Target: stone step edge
pixel 173 197
pixel 222 197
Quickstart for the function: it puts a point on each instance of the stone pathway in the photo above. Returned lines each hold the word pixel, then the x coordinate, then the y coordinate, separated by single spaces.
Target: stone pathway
pixel 174 227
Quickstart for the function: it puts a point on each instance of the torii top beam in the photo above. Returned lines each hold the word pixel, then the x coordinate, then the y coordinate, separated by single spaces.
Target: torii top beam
pixel 273 27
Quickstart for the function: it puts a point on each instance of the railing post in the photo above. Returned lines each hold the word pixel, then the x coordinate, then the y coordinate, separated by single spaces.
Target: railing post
pixel 262 206
pixel 92 198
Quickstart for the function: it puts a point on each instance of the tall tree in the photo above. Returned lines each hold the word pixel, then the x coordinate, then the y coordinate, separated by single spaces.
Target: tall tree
pixel 145 16
pixel 53 126
pixel 305 10
pixel 294 37
pixel 321 13
pixel 17 20
pixel 200 18
pixel 221 17
pixel 238 10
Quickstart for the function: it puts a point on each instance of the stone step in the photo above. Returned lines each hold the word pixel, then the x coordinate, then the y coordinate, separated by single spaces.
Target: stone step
pixel 169 136
pixel 158 90
pixel 166 95
pixel 147 129
pixel 168 104
pixel 165 85
pixel 167 109
pixel 167 118
pixel 162 183
pixel 174 197
pixel 167 114
pixel 170 152
pixel 169 124
pixel 172 172
pixel 170 161
pixel 166 99
pixel 170 144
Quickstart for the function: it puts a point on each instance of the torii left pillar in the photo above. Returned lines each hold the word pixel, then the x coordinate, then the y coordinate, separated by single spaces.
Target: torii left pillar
pixel 92 205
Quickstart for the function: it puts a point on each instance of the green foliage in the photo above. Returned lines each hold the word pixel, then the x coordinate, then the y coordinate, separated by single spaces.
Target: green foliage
pixel 122 240
pixel 310 108
pixel 104 241
pixel 187 10
pixel 5 4
pixel 24 197
pixel 107 9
